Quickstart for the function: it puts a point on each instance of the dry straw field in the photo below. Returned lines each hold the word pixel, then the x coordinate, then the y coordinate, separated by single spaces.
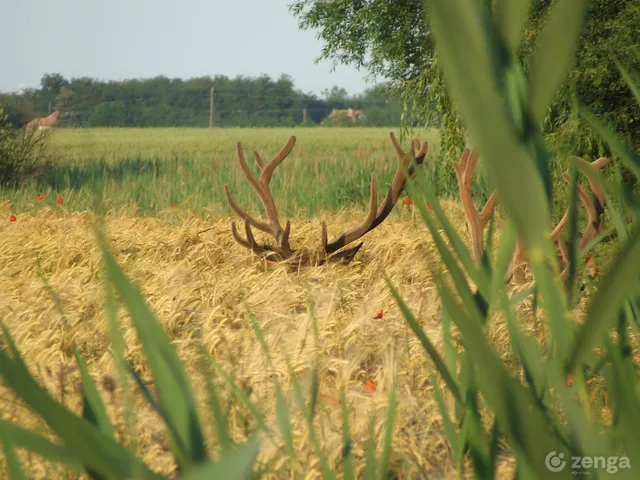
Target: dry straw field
pixel 201 284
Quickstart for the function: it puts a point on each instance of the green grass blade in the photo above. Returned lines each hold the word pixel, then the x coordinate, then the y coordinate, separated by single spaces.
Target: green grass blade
pixel 465 50
pixel 554 53
pixel 451 355
pixel 526 428
pixel 631 78
pixel 284 423
pixel 117 344
pixel 42 446
pixel 419 188
pixel 52 293
pixel 631 160
pixel 426 343
pixel 221 427
pixel 93 408
pixel 282 410
pixel 615 287
pixel 92 447
pixel 10 458
pixel 173 386
pixel 470 300
pixel 388 434
pixel 622 382
pixel 449 427
pixel 371 467
pixel 347 444
pixel 324 463
pixel 236 464
pixel 241 395
pixel 510 16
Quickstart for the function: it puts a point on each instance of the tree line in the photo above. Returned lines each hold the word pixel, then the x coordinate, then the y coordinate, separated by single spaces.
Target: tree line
pixel 171 102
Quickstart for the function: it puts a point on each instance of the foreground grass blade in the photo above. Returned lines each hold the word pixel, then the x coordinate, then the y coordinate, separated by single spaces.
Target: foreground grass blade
pixel 631 160
pixel 622 383
pixel 91 446
pixel 469 64
pixel 117 345
pixel 313 438
pixel 554 53
pixel 173 386
pixel 526 427
pixel 93 408
pixel 236 464
pixel 510 15
pixel 631 78
pixel 371 467
pixel 388 434
pixel 426 344
pixel 349 472
pixel 449 427
pixel 221 427
pixel 282 410
pixel 42 446
pixel 615 287
pixel 10 458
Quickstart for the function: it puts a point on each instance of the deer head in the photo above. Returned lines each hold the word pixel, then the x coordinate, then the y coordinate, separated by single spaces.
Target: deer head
pixel 280 252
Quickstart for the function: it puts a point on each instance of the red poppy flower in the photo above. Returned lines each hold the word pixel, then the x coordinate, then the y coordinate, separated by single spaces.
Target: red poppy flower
pixel 370 386
pixel 379 314
pixel 429 206
pixel 570 380
pixel 12 218
pixel 407 201
pixel 40 198
pixel 174 204
pixel 59 200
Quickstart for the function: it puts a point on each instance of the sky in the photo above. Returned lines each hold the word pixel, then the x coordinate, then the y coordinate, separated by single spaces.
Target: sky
pixel 122 39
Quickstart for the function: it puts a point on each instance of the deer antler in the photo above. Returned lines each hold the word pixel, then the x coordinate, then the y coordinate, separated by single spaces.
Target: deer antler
pixel 476 221
pixel 594 207
pixel 261 186
pixel 327 251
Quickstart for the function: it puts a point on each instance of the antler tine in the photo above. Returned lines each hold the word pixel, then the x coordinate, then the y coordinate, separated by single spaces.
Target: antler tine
pixel 399 181
pixel 486 212
pixel 419 152
pixel 250 242
pixel 358 231
pixel 593 218
pixel 476 221
pixel 242 213
pixel 269 168
pixel 402 155
pixel 557 231
pixel 259 160
pixel 594 206
pixel 261 186
pixel 590 170
pixel 378 214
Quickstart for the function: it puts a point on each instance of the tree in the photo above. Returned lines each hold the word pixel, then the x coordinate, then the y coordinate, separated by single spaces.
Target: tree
pixel 392 40
pixel 164 102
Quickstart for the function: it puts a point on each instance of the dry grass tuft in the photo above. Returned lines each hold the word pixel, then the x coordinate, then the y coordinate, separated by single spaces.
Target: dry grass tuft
pixel 199 282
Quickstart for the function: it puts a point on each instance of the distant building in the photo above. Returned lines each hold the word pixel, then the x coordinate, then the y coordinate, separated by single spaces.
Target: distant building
pixel 348 114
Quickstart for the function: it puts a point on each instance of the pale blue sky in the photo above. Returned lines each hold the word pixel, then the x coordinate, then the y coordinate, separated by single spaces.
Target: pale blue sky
pixel 119 39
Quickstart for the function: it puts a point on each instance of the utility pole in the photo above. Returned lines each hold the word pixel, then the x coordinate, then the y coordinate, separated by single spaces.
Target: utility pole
pixel 212 122
pixel 304 115
pixel 49 109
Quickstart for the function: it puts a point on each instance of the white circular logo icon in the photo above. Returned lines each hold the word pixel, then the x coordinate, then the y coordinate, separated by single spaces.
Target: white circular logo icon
pixel 555 462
